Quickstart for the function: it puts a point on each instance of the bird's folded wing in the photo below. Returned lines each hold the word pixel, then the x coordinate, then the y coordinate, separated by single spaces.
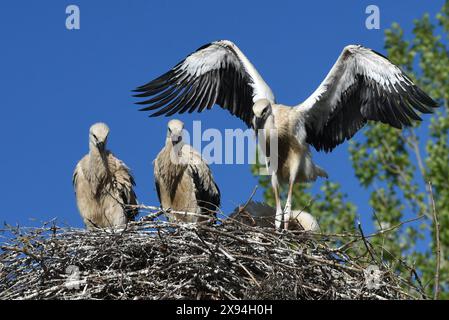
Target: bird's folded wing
pixel 217 73
pixel 362 85
pixel 75 176
pixel 78 173
pixel 124 183
pixel 206 190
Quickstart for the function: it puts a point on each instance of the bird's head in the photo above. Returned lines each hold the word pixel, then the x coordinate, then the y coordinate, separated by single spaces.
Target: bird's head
pixel 262 111
pixel 174 132
pixel 98 136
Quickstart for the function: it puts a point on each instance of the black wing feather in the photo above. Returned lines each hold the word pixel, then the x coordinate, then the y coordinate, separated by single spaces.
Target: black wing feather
pixel 364 100
pixel 228 86
pixel 208 197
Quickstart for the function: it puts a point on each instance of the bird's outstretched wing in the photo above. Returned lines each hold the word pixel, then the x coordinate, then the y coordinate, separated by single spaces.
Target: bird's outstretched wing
pixel 362 85
pixel 217 73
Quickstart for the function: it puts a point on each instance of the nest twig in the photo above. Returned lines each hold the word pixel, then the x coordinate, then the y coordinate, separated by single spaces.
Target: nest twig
pixel 155 259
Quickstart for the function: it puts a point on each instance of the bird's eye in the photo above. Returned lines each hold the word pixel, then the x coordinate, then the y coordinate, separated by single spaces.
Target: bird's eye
pixel 95 137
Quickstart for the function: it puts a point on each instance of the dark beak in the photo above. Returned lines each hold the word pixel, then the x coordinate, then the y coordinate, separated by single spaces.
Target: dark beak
pixel 176 139
pixel 258 123
pixel 101 146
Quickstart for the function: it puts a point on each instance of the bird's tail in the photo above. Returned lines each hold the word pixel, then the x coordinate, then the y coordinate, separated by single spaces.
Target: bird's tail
pixel 320 172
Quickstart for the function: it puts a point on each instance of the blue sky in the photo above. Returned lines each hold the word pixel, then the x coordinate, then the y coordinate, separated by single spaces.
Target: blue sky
pixel 55 83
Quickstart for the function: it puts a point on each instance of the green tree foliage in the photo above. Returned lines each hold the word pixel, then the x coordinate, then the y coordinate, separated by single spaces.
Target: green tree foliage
pixel 404 171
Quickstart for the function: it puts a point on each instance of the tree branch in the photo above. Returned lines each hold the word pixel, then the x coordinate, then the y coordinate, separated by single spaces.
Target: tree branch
pixel 438 246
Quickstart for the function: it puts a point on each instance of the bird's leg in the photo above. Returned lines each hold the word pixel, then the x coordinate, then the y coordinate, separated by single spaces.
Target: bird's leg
pixel 278 217
pixel 288 205
pixel 267 164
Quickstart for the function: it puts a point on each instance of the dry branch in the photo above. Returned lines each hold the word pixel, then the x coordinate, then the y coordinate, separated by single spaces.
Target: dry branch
pixel 436 223
pixel 155 259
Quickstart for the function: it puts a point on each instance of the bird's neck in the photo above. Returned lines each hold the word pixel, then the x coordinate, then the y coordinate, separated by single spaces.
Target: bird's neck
pixel 269 123
pixel 172 161
pixel 98 168
pixel 276 126
pixel 174 152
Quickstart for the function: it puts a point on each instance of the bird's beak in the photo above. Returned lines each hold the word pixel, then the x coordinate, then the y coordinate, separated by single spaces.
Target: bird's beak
pixel 101 146
pixel 175 139
pixel 258 123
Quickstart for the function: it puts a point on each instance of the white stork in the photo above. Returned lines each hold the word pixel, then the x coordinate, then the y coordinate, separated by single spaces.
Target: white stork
pixel 184 182
pixel 260 214
pixel 104 186
pixel 362 85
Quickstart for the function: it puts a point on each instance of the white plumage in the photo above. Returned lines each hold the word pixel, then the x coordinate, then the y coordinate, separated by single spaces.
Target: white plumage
pixel 103 184
pixel 184 182
pixel 362 85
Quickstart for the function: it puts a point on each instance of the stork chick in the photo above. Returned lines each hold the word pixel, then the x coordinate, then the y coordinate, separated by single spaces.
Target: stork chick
pixel 362 86
pixel 262 215
pixel 184 182
pixel 294 160
pixel 103 184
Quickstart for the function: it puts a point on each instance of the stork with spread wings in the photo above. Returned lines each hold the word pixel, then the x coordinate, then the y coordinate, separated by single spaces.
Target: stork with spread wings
pixel 361 86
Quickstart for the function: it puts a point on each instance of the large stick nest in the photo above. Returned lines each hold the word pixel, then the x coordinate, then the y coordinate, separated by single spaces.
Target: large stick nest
pixel 154 259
